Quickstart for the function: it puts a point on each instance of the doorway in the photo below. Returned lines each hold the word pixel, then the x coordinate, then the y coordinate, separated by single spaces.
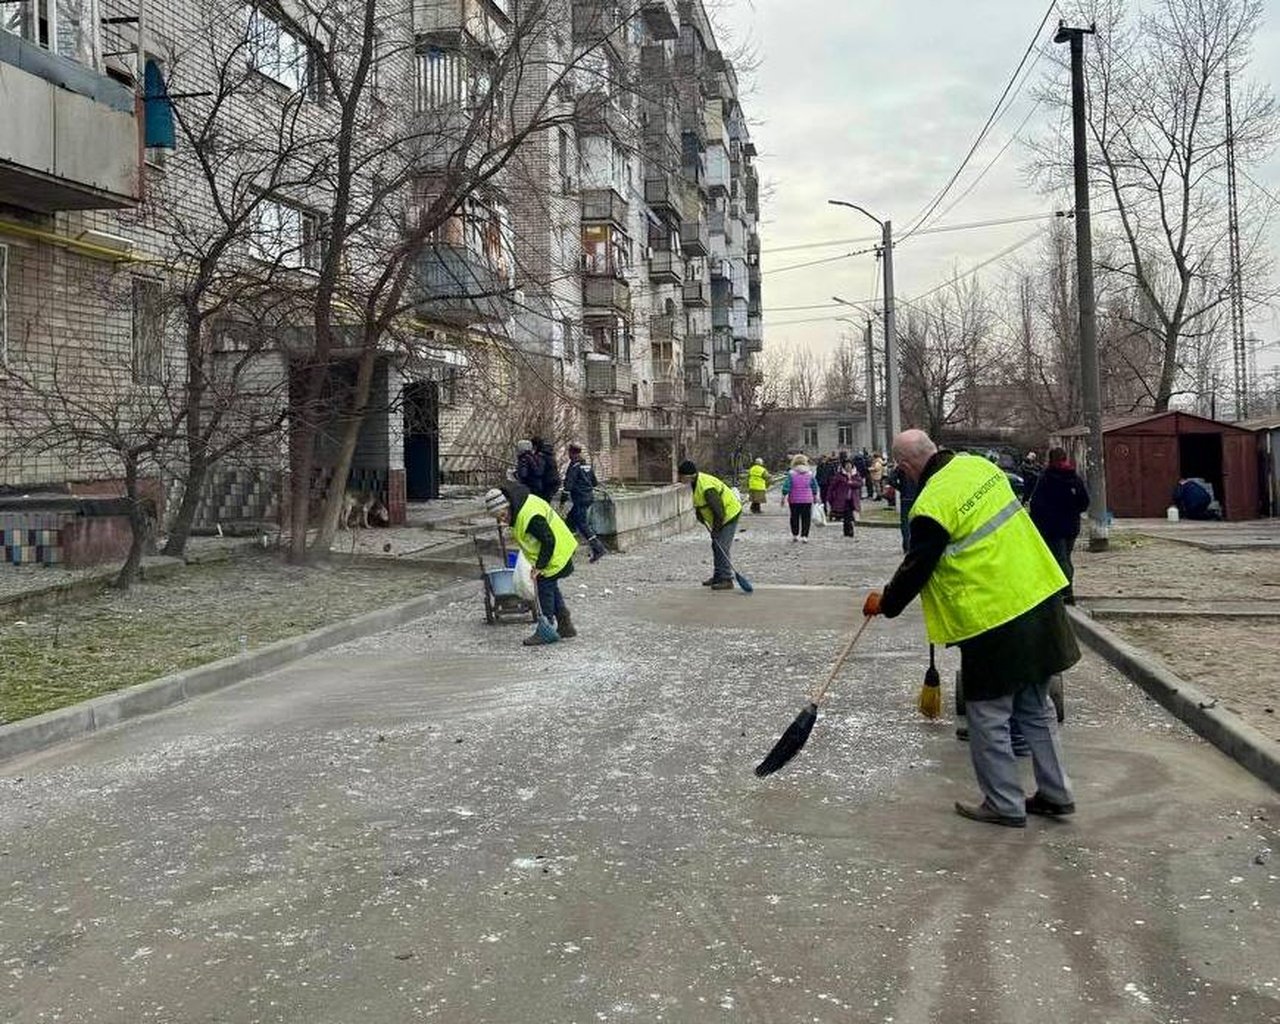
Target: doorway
pixel 422 440
pixel 1201 455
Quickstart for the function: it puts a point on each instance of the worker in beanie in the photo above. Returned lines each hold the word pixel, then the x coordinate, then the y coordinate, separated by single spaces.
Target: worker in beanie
pixel 528 467
pixel 718 509
pixel 579 488
pixel 546 542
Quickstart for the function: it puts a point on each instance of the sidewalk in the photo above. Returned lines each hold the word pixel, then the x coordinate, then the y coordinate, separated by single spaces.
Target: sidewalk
pixel 436 823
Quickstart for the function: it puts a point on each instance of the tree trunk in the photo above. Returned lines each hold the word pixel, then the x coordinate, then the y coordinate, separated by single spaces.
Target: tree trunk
pixel 197 472
pixel 1168 367
pixel 197 444
pixel 302 443
pixel 328 525
pixel 139 527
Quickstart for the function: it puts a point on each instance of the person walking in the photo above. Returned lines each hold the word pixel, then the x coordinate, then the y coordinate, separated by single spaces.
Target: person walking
pixel 1030 472
pixel 1060 498
pixel 580 485
pixel 876 472
pixel 799 491
pixel 528 466
pixel 844 492
pixel 907 490
pixel 862 465
pixel 547 543
pixel 718 509
pixel 757 485
pixel 989 585
pixel 547 475
pixel 822 474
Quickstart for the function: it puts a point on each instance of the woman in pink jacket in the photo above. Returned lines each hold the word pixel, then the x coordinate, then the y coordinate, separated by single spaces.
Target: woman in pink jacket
pixel 800 491
pixel 844 492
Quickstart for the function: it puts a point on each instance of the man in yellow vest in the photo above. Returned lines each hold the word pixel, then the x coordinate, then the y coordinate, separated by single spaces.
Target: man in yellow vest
pixel 757 485
pixel 718 509
pixel 989 585
pixel 547 543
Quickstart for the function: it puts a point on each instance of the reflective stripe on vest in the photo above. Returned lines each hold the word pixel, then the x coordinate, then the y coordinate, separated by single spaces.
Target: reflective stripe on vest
pixel 996 567
pixel 704 482
pixel 565 542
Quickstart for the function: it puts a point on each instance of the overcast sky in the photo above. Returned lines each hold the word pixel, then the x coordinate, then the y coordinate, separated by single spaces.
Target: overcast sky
pixel 877 102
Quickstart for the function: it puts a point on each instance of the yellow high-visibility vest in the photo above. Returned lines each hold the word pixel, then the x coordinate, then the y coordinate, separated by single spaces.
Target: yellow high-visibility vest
pixel 566 544
pixel 705 482
pixel 757 479
pixel 996 566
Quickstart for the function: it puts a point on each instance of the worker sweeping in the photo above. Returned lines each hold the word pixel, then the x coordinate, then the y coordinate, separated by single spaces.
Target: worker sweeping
pixel 989 585
pixel 548 544
pixel 718 509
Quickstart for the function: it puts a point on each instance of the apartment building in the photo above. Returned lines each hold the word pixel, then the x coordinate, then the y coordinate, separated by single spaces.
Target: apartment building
pixel 604 283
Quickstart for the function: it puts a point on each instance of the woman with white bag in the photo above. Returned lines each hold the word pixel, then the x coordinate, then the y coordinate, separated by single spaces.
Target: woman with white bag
pixel 799 492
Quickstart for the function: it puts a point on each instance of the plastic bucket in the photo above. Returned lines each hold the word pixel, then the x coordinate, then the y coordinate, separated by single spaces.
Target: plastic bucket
pixel 511 559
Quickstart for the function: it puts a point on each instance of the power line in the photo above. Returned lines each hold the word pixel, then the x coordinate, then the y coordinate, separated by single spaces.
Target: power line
pixel 920 221
pixel 994 160
pixel 985 263
pixel 816 263
pixel 944 229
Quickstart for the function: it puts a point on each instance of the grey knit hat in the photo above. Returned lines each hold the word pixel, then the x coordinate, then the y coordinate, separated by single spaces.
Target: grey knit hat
pixel 524 446
pixel 495 501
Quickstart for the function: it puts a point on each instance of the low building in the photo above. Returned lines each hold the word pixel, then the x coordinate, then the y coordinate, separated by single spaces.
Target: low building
pixel 818 431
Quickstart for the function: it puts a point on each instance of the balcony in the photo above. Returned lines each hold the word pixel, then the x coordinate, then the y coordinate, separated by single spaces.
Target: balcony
pixel 697 349
pixel 696 294
pixel 662 195
pixel 596 24
pixel 697 398
pixel 693 122
pixel 666 329
pixel 669 393
pixel 720 269
pixel 721 362
pixel 665 267
pixel 477 23
pixel 695 239
pixel 610 294
pixel 753 275
pixel 755 335
pixel 598 113
pixel 661 19
pixel 606 379
pixel 460 287
pixel 604 205
pixel 68 134
pixel 724 405
pixel 723 224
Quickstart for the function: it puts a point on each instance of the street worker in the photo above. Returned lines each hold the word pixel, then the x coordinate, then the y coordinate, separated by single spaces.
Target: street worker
pixel 718 509
pixel 580 485
pixel 547 543
pixel 989 585
pixel 757 485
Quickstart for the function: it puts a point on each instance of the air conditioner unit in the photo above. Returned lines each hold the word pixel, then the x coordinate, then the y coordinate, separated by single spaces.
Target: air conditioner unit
pixel 104 240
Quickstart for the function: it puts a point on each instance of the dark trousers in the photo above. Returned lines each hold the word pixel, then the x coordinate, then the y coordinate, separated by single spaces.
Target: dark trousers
pixel 801 519
pixel 550 600
pixel 1062 548
pixel 847 517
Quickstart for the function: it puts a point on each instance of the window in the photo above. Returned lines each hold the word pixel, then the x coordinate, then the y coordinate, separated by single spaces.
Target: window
pixel 288 235
pixel 809 437
pixel 66 27
pixel 844 435
pixel 4 305
pixel 148 332
pixel 282 55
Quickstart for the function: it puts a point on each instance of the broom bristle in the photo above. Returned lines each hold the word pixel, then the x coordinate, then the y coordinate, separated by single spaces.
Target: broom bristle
pixel 792 741
pixel 744 583
pixel 930 701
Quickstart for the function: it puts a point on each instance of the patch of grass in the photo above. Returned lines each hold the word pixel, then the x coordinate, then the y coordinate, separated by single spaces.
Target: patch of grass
pixel 71 653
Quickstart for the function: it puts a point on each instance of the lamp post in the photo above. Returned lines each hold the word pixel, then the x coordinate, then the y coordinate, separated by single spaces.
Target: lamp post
pixel 892 411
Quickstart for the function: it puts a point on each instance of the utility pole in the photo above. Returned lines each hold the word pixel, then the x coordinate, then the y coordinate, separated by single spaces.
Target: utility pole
pixel 871 385
pixel 1090 382
pixel 1239 351
pixel 893 411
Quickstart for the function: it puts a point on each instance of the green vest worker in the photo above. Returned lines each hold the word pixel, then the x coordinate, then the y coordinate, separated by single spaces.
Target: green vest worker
pixel 547 543
pixel 757 484
pixel 989 585
pixel 718 509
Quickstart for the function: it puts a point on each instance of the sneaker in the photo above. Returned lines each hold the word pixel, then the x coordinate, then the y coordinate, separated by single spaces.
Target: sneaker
pixel 795 540
pixel 1038 804
pixel 722 585
pixel 982 812
pixel 804 540
pixel 537 640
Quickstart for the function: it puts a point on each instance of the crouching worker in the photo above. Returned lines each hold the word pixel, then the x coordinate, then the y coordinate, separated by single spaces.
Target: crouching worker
pixel 718 509
pixel 548 545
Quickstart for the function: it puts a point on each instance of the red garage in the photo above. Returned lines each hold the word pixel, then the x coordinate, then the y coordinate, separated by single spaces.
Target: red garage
pixel 1147 455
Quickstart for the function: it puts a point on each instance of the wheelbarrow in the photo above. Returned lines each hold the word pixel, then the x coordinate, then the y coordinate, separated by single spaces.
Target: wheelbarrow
pixel 500 598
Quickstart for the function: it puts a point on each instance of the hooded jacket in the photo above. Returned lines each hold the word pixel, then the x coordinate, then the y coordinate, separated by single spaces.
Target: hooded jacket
pixel 1058 501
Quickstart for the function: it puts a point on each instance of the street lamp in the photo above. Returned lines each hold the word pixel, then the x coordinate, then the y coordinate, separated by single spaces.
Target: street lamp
pixel 871 368
pixel 893 413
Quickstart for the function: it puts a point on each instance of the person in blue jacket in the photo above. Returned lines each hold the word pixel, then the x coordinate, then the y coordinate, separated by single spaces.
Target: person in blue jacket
pixel 579 488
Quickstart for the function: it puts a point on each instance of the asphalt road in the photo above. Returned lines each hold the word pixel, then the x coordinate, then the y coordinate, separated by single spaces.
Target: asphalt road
pixel 436 824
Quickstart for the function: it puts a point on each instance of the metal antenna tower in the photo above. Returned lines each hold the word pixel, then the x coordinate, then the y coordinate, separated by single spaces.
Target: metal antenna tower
pixel 1239 346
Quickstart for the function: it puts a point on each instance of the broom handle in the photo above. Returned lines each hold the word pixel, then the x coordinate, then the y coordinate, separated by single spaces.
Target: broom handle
pixel 848 649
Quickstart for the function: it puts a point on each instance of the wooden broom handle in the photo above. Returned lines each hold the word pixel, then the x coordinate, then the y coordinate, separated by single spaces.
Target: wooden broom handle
pixel 848 649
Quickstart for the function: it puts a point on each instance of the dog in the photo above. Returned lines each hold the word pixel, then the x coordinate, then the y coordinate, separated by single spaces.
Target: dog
pixel 368 508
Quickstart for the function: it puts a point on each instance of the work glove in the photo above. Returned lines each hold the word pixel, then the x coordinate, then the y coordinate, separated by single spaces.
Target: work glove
pixel 871 606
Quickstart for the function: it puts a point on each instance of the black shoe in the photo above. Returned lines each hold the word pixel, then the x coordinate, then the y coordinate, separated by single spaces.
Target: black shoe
pixel 981 812
pixel 710 582
pixel 722 585
pixel 564 626
pixel 1038 804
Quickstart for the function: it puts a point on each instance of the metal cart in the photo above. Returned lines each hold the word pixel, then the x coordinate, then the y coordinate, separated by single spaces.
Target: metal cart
pixel 500 598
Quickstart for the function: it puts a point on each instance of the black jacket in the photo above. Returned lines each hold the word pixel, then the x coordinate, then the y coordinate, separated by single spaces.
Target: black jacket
pixel 1057 503
pixel 579 484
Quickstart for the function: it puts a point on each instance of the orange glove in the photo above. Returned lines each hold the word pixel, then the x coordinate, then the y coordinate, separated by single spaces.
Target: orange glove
pixel 871 606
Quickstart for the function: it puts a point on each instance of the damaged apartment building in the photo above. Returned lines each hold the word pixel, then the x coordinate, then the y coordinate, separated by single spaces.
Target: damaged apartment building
pixel 166 204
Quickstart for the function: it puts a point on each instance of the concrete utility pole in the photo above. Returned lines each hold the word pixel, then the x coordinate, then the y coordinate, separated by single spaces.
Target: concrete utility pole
pixel 871 385
pixel 893 412
pixel 1090 382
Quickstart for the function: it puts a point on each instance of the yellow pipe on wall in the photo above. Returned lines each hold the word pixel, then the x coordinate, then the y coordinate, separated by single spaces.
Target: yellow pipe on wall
pixel 74 244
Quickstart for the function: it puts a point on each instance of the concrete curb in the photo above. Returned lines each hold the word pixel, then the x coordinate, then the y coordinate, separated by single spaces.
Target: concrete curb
pixel 1235 738
pixel 34 734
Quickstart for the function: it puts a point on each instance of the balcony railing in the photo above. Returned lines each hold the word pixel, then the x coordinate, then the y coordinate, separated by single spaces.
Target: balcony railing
pixel 598 113
pixel 596 22
pixel 458 286
pixel 668 392
pixel 661 18
pixel 697 348
pixel 722 362
pixel 68 133
pixel 607 379
pixel 697 398
pixel 755 335
pixel 666 328
pixel 610 293
pixel 724 405
pixel 696 294
pixel 604 205
pixel 662 195
pixel 666 267
pixel 695 239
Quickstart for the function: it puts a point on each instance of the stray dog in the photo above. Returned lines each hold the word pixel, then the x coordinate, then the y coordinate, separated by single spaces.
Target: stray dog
pixel 368 508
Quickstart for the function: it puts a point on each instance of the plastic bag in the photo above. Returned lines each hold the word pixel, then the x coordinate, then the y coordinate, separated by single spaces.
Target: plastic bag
pixel 523 578
pixel 819 517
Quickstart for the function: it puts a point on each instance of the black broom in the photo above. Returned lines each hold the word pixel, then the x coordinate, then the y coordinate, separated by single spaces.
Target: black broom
pixel 797 734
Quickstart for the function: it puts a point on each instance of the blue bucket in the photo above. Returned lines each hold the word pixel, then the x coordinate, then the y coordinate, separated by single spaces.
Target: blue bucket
pixel 511 559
